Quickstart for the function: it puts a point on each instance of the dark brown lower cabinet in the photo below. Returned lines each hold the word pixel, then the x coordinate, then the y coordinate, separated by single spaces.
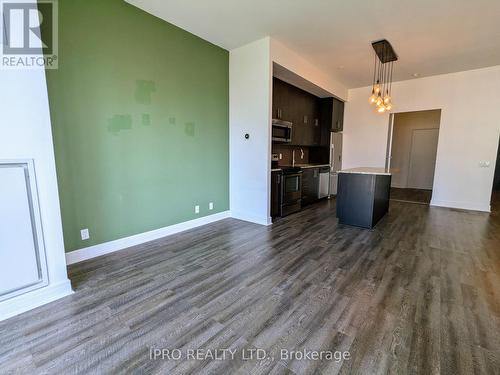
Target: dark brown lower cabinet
pixel 362 199
pixel 310 185
pixel 275 193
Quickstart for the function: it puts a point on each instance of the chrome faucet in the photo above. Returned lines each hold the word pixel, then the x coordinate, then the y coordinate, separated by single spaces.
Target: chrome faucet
pixel 293 156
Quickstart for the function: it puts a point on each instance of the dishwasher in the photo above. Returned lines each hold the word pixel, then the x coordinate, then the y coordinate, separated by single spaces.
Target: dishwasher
pixel 324 182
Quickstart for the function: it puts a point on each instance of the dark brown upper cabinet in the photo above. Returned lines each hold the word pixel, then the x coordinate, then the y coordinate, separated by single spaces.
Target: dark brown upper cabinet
pixel 281 101
pixel 332 114
pixel 301 108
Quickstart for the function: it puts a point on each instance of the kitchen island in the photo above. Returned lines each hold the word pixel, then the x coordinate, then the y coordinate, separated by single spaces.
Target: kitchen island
pixel 363 196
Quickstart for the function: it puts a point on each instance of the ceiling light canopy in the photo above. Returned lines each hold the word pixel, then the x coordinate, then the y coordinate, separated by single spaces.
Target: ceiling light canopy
pixel 384 58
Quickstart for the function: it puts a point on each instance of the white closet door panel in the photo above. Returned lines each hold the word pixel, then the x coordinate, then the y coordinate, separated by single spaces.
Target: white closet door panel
pixel 21 264
pixel 423 158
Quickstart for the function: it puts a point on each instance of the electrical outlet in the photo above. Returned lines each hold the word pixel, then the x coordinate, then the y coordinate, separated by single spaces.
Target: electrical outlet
pixel 84 233
pixel 211 206
pixel 281 156
pixel 484 164
pixel 196 209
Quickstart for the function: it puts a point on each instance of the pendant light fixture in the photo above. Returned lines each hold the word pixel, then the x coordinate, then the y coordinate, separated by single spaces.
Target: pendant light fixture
pixel 384 58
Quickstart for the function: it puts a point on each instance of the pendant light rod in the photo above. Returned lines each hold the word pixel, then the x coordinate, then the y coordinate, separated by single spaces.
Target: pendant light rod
pixel 379 71
pixel 374 71
pixel 384 78
pixel 390 87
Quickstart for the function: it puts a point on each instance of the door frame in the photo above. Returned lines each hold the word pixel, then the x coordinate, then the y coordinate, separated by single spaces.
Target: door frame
pixel 388 151
pixel 390 133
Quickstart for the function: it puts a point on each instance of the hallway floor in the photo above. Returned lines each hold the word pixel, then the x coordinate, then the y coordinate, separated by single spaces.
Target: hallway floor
pixel 411 195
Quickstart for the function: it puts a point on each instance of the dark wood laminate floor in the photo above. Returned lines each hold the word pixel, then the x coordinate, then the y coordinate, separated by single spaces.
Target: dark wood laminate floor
pixel 420 294
pixel 411 195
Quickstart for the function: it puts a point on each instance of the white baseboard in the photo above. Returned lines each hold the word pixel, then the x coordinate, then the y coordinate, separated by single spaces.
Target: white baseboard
pixel 35 298
pixel 137 239
pixel 251 219
pixel 461 205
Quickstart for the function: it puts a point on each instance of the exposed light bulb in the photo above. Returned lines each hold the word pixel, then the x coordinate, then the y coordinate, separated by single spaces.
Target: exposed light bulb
pixel 384 59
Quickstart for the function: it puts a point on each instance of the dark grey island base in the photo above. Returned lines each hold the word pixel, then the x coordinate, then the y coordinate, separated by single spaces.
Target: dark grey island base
pixel 363 196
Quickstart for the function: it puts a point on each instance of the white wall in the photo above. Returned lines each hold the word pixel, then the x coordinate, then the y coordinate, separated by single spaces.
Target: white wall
pixel 25 133
pixel 469 130
pixel 250 80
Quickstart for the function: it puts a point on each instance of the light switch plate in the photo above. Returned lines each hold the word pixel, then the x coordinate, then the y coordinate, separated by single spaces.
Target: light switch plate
pixel 196 209
pixel 211 206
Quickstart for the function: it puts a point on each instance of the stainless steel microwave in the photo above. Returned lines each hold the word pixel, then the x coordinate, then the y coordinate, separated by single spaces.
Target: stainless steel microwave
pixel 282 131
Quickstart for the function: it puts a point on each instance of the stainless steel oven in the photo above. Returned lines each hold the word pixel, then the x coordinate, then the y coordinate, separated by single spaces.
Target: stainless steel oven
pixel 291 191
pixel 281 131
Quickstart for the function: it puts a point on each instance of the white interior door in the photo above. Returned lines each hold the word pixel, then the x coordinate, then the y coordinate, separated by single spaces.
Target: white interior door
pixel 22 256
pixel 422 158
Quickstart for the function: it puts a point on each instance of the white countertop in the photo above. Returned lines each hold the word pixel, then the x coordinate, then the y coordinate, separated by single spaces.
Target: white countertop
pixel 367 170
pixel 312 165
pixel 303 166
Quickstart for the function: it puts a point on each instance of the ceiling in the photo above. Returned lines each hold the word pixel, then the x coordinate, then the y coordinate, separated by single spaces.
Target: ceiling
pixel 430 36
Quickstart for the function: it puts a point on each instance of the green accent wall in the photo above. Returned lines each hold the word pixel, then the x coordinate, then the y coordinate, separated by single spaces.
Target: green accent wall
pixel 140 122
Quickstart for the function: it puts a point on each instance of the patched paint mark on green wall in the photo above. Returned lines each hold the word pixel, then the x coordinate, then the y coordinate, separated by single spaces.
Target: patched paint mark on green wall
pixel 139 112
pixel 189 128
pixel 119 122
pixel 146 119
pixel 143 91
